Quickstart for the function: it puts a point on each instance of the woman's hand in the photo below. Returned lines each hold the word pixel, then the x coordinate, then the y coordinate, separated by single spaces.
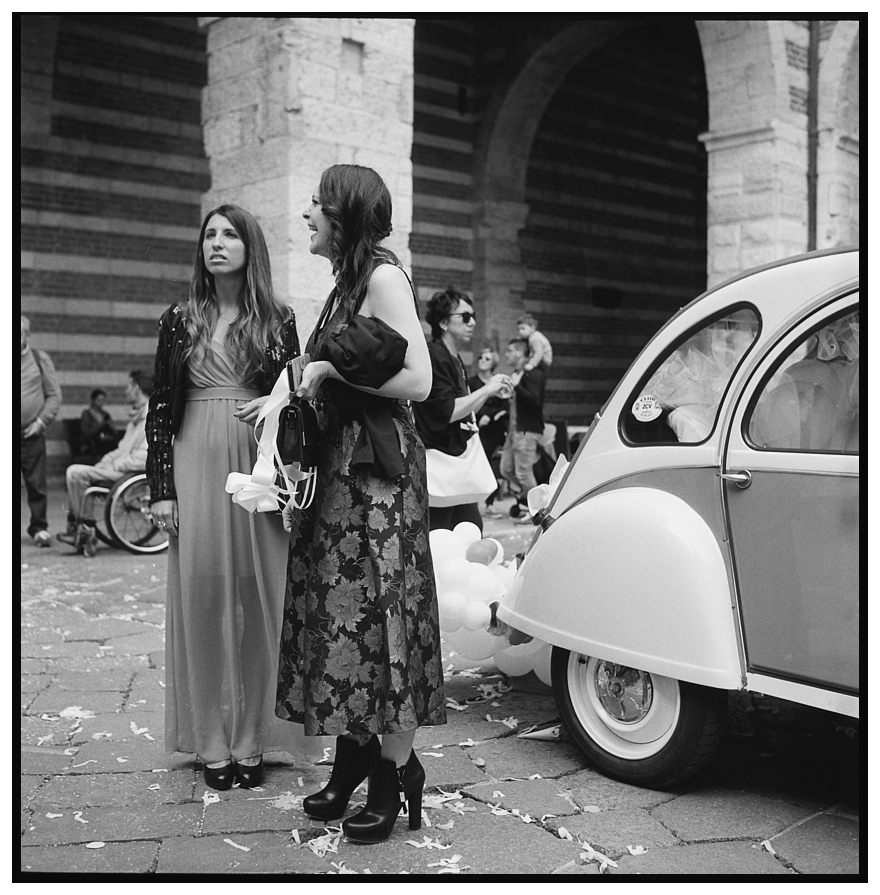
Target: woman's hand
pixel 164 513
pixel 248 413
pixel 313 375
pixel 500 385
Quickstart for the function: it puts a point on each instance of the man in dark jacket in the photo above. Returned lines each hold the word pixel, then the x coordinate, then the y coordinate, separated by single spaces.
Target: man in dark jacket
pixel 525 428
pixel 40 402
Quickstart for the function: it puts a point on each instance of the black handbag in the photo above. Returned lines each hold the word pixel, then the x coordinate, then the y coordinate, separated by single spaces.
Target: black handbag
pixel 298 438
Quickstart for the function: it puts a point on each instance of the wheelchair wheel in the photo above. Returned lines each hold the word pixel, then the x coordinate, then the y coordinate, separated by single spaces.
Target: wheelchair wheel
pixel 128 519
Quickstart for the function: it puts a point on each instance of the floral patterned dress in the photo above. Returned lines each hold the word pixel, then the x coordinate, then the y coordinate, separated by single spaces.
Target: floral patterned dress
pixel 360 641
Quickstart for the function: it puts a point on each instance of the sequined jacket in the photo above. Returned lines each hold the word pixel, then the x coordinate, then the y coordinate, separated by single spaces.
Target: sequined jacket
pixel 171 381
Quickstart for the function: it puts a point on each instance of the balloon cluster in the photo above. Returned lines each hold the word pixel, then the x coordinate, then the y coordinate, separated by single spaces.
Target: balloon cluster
pixel 471 574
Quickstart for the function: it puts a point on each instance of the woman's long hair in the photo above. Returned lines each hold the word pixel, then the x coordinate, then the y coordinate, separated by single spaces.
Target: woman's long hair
pixel 357 204
pixel 262 315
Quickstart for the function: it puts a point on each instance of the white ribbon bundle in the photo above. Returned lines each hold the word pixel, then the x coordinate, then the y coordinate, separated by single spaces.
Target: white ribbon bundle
pixel 259 492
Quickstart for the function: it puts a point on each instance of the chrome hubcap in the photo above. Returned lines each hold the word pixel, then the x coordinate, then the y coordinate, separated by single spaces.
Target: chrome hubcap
pixel 625 693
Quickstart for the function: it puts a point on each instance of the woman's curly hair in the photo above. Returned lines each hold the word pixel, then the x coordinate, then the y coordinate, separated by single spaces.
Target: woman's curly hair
pixel 356 202
pixel 441 305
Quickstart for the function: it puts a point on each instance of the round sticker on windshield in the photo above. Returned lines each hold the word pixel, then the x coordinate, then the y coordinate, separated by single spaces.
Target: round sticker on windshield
pixel 646 409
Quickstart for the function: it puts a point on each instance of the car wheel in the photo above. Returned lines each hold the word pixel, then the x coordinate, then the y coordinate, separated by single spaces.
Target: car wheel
pixel 641 728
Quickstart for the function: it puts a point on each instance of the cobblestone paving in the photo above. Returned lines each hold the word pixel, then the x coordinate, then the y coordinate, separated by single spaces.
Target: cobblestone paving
pixel 99 794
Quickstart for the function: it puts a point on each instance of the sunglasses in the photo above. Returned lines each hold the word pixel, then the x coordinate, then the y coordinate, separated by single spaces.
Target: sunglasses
pixel 466 316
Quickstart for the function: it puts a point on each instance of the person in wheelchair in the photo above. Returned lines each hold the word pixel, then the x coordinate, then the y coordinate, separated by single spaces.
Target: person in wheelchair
pixel 129 456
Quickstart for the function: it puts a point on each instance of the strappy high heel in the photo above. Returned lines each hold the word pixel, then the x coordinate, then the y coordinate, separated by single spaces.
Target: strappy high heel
pixel 392 789
pixel 352 765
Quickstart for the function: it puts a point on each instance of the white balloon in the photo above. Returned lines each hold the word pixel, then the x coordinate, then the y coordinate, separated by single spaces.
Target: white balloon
pixel 476 645
pixel 454 574
pixel 476 616
pixel 505 574
pixel 444 546
pixel 481 584
pixel 451 605
pixel 487 551
pixel 467 532
pixel 512 662
pixel 449 625
pixel 541 663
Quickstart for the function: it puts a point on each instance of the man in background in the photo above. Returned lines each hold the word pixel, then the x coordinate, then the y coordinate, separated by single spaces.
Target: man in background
pixel 40 403
pixel 130 456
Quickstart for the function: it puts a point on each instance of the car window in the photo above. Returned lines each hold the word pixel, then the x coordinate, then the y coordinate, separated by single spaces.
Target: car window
pixel 679 402
pixel 811 401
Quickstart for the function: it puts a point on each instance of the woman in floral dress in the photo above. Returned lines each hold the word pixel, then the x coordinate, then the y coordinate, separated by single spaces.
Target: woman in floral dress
pixel 360 645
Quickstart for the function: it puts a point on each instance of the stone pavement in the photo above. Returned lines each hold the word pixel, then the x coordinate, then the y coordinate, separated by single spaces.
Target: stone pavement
pixel 99 794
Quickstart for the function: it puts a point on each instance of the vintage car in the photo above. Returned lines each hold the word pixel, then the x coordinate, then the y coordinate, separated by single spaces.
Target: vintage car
pixel 705 537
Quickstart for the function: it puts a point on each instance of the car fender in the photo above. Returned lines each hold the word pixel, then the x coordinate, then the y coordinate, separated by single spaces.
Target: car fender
pixel 636 576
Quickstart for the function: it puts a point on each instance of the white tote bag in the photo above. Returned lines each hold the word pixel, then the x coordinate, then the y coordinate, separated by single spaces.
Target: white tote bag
pixel 467 478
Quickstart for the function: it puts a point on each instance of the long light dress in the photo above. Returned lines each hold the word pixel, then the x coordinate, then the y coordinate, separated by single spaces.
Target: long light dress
pixel 226 579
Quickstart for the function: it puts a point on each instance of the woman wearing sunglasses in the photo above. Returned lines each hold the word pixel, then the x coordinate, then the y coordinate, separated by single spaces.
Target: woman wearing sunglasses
pixel 446 420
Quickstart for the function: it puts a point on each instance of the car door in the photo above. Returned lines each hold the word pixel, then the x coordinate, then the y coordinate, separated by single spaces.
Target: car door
pixel 791 490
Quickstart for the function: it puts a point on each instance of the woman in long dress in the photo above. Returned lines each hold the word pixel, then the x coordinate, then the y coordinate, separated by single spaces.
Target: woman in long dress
pixel 218 356
pixel 360 650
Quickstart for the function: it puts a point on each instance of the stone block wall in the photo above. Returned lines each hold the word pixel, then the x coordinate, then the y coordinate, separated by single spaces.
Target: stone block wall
pixel 286 98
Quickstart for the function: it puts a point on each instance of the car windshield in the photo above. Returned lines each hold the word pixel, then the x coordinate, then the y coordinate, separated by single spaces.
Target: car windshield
pixel 680 400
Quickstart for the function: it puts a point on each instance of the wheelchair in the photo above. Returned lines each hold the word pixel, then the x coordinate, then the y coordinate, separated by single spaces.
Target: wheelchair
pixel 121 511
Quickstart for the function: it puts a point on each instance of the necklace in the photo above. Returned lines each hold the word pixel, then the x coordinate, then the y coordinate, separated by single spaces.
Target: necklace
pixel 230 322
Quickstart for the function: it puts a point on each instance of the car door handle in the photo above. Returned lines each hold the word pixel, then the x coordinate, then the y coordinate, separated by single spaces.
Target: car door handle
pixel 742 478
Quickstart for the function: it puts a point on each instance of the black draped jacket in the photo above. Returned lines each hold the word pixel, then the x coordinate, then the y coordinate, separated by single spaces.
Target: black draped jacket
pixel 171 381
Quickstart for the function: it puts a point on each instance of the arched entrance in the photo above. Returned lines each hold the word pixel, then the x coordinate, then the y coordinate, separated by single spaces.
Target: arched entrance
pixel 592 199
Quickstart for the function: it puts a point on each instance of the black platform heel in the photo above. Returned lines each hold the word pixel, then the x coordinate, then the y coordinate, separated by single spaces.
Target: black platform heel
pixel 220 778
pixel 247 776
pixel 352 765
pixel 392 789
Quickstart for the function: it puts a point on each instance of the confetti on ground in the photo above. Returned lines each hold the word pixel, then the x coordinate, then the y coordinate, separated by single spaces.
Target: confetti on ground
pixel 452 704
pixel 102 735
pixel 445 826
pixel 155 786
pixel 450 865
pixel 341 868
pixel 71 751
pixel 329 842
pixel 427 842
pixel 468 742
pixel 79 817
pixel 591 809
pixel 294 834
pixel 511 722
pixel 44 739
pixel 208 798
pixel 75 711
pixel 636 849
pixel 434 754
pixel 122 760
pixel 325 758
pixel 137 730
pixel 498 810
pixel 588 854
pixel 564 834
pixel 432 800
pixel 94 845
pixel 568 798
pixel 49 814
pixel 768 847
pixel 236 845
pixel 480 762
pixel 287 801
pixel 497 794
pixel 83 763
pixel 159 771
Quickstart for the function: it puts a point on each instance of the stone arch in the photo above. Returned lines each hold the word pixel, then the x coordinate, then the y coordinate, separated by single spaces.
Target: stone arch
pixel 503 149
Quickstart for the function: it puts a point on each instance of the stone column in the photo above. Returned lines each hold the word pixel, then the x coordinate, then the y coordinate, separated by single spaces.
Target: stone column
pixel 287 98
pixel 757 197
pixel 500 279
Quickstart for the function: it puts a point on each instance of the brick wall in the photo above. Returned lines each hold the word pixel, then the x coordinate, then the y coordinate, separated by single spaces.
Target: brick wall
pixel 112 171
